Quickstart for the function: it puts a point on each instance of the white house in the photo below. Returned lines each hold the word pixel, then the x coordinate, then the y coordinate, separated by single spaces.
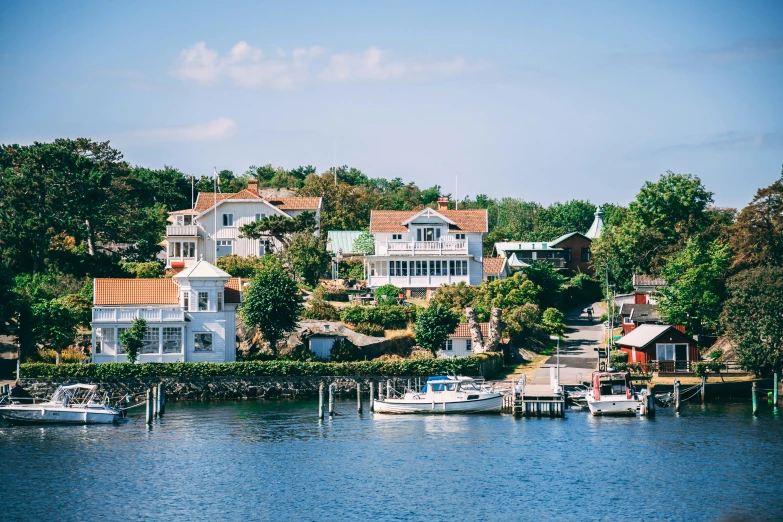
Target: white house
pixel 420 250
pixel 524 253
pixel 460 344
pixel 190 317
pixel 193 232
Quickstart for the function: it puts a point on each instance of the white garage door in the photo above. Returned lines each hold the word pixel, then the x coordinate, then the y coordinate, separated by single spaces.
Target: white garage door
pixel 321 346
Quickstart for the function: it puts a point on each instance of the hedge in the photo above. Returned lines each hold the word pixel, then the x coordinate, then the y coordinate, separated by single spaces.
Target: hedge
pixel 473 365
pixel 389 317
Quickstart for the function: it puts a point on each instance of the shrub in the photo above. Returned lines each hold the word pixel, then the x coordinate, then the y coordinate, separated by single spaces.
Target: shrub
pixel 387 294
pixel 716 354
pixel 132 339
pixel 473 365
pixel 344 350
pixel 244 267
pixel 148 270
pixel 69 355
pixel 321 311
pixel 351 269
pixel 618 356
pixel 299 353
pixel 374 330
pixel 389 317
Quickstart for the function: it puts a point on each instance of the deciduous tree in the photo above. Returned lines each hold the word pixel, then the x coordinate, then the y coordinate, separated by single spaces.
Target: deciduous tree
pixel 132 339
pixel 433 326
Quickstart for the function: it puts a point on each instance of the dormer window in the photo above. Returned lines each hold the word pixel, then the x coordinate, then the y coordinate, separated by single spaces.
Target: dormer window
pixel 428 234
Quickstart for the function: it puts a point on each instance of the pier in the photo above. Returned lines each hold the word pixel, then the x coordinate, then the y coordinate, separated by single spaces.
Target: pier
pixel 524 405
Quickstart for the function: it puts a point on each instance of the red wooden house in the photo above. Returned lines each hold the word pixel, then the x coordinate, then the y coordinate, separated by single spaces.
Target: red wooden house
pixel 669 349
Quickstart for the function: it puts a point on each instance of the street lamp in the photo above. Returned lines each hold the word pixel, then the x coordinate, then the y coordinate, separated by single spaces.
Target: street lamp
pixel 557 382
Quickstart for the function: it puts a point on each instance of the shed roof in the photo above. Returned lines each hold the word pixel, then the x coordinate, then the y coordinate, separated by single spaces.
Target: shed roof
pixel 640 312
pixel 341 240
pixel 464 220
pixel 494 265
pixel 463 331
pixel 206 200
pixel 647 280
pixel 644 335
pixel 566 236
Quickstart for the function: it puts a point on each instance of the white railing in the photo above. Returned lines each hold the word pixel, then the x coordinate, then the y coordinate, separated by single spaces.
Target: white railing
pixel 130 314
pixel 427 247
pixel 182 230
pixel 555 262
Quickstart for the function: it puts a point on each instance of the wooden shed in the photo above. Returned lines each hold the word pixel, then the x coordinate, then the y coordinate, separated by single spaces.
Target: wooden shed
pixel 670 349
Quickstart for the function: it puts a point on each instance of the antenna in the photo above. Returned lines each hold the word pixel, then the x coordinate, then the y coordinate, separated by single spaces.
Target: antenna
pixel 456 192
pixel 334 161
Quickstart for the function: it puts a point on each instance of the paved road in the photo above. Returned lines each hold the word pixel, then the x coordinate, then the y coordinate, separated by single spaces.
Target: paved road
pixel 578 358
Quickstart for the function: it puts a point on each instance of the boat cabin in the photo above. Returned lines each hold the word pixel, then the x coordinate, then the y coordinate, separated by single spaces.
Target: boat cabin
pixel 612 384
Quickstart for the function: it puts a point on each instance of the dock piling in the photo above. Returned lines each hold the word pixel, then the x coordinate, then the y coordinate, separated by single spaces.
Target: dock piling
pixel 703 388
pixel 389 389
pixel 154 390
pixel 372 397
pixel 380 391
pixel 149 406
pixel 650 400
pixel 162 398
pixel 359 397
pixel 755 400
pixel 676 396
pixel 775 391
pixel 331 400
pixel 321 401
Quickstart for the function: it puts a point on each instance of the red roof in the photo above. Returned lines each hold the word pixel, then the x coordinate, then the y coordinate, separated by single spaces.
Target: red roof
pixel 493 265
pixel 392 220
pixel 463 331
pixel 162 291
pixel 207 199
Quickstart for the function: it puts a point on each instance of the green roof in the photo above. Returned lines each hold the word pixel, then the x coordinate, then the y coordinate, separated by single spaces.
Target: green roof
pixel 341 240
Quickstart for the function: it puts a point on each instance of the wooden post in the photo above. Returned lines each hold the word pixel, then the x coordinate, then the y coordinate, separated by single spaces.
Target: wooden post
pixel 331 400
pixel 380 391
pixel 409 385
pixel 676 396
pixel 162 398
pixel 703 388
pixel 372 397
pixel 388 389
pixel 321 401
pixel 154 401
pixel 359 397
pixel 775 391
pixel 651 400
pixel 149 406
pixel 755 400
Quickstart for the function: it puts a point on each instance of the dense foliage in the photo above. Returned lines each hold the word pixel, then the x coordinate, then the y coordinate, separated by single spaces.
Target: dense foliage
pixel 415 367
pixel 244 267
pixel 388 317
pixel 387 294
pixel 434 325
pixel 132 339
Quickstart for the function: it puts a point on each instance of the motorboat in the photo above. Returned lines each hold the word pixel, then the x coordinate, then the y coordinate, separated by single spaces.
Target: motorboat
pixel 72 404
pixel 443 394
pixel 611 393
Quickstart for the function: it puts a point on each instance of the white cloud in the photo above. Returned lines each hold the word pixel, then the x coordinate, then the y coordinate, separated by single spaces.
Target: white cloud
pixel 215 130
pixel 249 67
pixel 375 65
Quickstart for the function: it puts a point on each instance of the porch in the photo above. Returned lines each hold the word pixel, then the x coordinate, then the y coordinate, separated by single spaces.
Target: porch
pixel 435 248
pixel 130 314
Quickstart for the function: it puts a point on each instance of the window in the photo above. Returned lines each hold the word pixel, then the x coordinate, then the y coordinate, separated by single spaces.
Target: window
pixel 378 268
pixel 177 249
pixel 449 345
pixel 264 248
pixel 191 249
pixel 459 237
pixel 567 254
pixel 103 336
pixel 398 268
pixel 150 341
pixel 428 234
pixel 228 220
pixel 458 267
pixel 120 349
pixel 468 345
pixel 396 237
pixel 203 301
pixel 202 342
pixel 419 268
pixel 172 340
pixel 491 278
pixel 186 301
pixel 188 220
pixel 220 301
pixel 260 216
pixel 225 248
pixel 438 268
pixel 585 254
pixel 664 352
pixel 627 320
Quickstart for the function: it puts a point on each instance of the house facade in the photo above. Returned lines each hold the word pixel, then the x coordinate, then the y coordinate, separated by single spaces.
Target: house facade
pixel 460 344
pixel 524 253
pixel 418 251
pixel 190 317
pixel 210 230
pixel 635 315
pixel 666 347
pixel 646 288
pixel 577 255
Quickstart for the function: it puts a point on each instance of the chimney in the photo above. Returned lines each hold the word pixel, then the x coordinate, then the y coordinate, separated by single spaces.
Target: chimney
pixel 252 185
pixel 443 203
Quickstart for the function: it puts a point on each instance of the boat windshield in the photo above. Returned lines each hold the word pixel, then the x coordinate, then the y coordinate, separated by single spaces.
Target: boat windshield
pixel 613 387
pixel 443 386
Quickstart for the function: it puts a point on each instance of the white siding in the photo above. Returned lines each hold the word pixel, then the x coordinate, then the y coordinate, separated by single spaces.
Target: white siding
pixel 458 349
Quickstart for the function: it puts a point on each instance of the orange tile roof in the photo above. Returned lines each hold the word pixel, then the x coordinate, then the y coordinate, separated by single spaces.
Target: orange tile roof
pixel 296 203
pixel 493 265
pixel 163 291
pixel 463 331
pixel 207 199
pixel 465 220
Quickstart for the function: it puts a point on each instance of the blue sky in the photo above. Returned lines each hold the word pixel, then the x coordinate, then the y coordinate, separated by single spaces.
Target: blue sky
pixel 542 101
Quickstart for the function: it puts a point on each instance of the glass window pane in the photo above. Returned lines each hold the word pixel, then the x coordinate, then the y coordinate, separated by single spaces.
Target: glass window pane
pixel 203 301
pixel 150 341
pixel 202 342
pixel 172 340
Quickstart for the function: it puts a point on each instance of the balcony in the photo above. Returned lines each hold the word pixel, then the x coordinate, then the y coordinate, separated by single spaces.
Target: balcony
pixel 555 262
pixel 434 248
pixel 182 230
pixel 158 315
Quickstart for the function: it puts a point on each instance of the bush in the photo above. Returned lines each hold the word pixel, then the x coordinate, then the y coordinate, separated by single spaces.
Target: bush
pixel 387 294
pixel 374 330
pixel 388 317
pixel 344 350
pixel 351 269
pixel 70 355
pixel 716 354
pixel 321 310
pixel 149 270
pixel 244 267
pixel 490 363
pixel 617 356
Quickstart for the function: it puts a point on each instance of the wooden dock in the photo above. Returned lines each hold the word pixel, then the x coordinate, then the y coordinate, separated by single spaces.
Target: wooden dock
pixel 533 405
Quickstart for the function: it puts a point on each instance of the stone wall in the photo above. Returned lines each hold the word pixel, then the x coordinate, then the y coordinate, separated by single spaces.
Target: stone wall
pixel 222 387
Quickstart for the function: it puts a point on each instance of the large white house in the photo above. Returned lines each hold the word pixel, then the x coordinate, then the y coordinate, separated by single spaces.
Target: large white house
pixel 190 317
pixel 418 251
pixel 193 233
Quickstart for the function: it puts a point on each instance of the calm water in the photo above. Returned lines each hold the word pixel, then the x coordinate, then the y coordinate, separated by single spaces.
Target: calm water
pixel 276 461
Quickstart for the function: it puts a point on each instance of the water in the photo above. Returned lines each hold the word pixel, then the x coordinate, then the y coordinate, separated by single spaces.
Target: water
pixel 276 461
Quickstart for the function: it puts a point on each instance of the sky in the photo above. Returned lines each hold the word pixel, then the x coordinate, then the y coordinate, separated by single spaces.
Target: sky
pixel 544 101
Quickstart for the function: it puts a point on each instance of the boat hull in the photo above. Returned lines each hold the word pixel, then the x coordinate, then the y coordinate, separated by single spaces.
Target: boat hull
pixel 613 407
pixel 29 414
pixel 492 403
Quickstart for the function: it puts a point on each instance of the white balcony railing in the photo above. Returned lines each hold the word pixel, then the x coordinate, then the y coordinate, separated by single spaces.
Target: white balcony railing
pixel 130 314
pixel 435 248
pixel 182 230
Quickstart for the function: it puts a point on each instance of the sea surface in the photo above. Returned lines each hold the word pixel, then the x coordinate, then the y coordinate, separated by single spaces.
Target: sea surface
pixel 257 460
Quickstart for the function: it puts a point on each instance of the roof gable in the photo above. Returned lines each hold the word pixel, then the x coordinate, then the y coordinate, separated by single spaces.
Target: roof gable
pixel 147 292
pixel 567 236
pixel 463 331
pixel 464 220
pixel 494 265
pixel 646 334
pixel 202 270
pixel 428 212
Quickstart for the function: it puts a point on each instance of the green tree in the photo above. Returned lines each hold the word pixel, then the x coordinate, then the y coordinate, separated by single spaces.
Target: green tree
pixel 757 236
pixel 244 267
pixel 508 293
pixel 272 304
pixel 364 244
pixel 562 218
pixel 433 326
pixel 344 350
pixel 147 270
pixel 752 319
pixel 549 282
pixel 307 257
pixel 54 325
pixel 280 227
pixel 387 294
pixel 553 322
pixel 696 278
pixel 456 296
pixel 132 339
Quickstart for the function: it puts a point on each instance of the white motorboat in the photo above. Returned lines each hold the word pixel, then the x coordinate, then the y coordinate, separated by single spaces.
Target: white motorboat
pixel 612 394
pixel 73 404
pixel 444 394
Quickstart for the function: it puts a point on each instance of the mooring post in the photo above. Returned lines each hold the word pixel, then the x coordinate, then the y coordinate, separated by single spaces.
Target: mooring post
pixel 651 400
pixel 380 391
pixel 775 391
pixel 372 397
pixel 154 401
pixel 389 389
pixel 703 388
pixel 755 400
pixel 331 399
pixel 409 385
pixel 162 398
pixel 676 396
pixel 359 398
pixel 321 401
pixel 149 406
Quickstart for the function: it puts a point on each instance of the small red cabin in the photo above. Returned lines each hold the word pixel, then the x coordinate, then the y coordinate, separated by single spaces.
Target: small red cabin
pixel 667 346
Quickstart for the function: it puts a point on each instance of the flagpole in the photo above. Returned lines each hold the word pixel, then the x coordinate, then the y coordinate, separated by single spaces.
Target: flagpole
pixel 214 200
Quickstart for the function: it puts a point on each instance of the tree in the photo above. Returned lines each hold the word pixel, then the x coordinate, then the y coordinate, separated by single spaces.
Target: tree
pixel 272 303
pixel 549 282
pixel 54 325
pixel 508 293
pixel 752 318
pixel 307 257
pixel 344 350
pixel 456 296
pixel 148 270
pixel 7 296
pixel 387 294
pixel 562 218
pixel 696 278
pixel 364 244
pixel 280 227
pixel 553 322
pixel 244 267
pixel 433 326
pixel 132 339
pixel 757 235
